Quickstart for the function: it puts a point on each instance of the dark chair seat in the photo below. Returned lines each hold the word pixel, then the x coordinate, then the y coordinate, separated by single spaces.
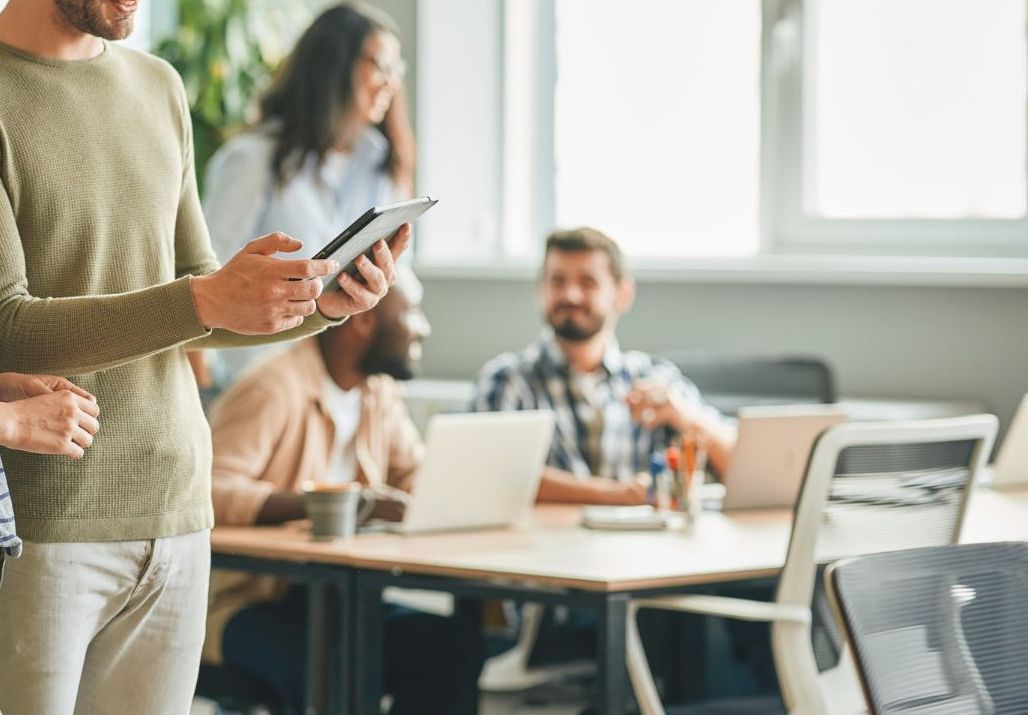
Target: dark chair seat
pixel 753 705
pixel 236 690
pixel 756 705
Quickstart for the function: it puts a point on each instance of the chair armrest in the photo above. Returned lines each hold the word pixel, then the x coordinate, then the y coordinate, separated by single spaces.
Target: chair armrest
pixel 738 608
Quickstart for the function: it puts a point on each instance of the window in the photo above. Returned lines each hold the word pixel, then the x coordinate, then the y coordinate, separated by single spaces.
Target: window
pixel 725 128
pixel 917 109
pixel 650 144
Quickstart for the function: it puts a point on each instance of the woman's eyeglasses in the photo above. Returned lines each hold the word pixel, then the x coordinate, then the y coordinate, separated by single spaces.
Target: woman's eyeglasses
pixel 393 70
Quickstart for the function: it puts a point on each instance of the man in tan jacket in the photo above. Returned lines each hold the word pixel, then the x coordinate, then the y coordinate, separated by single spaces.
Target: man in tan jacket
pixel 329 410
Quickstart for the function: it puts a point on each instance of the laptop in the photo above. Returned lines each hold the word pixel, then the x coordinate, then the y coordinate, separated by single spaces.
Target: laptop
pixel 1011 466
pixel 771 453
pixel 481 470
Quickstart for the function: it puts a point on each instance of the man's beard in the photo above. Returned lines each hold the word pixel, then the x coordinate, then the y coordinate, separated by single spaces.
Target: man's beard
pixel 395 366
pixel 87 16
pixel 383 358
pixel 574 331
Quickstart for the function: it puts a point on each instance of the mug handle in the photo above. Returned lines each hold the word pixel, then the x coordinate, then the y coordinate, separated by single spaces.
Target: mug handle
pixel 368 502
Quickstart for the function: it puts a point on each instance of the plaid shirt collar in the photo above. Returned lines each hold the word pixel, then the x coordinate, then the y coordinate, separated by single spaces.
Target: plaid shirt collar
pixel 613 359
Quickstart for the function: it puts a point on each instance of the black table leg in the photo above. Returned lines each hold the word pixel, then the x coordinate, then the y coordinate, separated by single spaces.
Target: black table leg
pixel 612 681
pixel 467 614
pixel 367 634
pixel 340 647
pixel 318 608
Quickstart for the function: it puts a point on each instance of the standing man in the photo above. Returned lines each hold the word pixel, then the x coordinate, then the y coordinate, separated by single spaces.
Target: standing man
pixel 106 274
pixel 614 409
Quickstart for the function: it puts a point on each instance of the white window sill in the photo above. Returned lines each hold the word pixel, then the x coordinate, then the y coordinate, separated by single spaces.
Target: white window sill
pixel 782 270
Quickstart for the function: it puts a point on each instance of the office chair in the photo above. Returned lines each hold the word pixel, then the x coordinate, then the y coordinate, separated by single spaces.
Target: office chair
pixel 729 382
pixel 869 487
pixel 938 630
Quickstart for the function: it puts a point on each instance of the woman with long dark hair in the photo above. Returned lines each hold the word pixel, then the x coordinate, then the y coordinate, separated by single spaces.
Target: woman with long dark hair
pixel 333 139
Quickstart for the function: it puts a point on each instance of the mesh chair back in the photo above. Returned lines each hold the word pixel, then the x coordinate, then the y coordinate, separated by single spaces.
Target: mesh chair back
pixel 885 497
pixel 871 487
pixel 730 382
pixel 938 630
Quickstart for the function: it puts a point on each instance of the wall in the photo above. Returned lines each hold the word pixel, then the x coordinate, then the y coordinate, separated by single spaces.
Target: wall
pixel 961 342
pixel 930 342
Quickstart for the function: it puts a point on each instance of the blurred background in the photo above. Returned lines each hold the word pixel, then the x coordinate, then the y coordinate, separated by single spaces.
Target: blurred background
pixel 842 178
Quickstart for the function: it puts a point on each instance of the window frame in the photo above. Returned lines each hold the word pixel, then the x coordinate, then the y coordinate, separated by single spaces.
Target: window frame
pixel 787 236
pixel 789 229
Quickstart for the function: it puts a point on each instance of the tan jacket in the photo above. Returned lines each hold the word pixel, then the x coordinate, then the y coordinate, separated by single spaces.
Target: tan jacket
pixel 271 432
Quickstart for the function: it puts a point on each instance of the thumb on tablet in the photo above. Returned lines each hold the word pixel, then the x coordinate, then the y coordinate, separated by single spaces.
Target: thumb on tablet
pixel 273 243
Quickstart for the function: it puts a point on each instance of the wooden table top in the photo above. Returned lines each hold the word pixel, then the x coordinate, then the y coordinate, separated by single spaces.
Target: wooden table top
pixel 551 549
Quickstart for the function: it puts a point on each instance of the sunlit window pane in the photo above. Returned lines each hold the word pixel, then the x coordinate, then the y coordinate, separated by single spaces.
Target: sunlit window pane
pixel 657 123
pixel 917 109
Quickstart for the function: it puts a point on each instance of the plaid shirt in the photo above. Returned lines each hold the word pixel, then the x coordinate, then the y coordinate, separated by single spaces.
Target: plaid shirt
pixel 595 434
pixel 10 544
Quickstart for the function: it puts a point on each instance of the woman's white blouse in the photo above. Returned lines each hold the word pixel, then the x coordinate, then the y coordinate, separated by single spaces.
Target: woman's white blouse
pixel 242 201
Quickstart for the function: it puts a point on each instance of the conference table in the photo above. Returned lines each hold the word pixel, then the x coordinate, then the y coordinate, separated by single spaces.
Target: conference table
pixel 549 559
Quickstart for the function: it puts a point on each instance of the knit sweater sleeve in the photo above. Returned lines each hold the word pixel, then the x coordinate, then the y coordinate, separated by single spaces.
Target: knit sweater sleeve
pixel 82 334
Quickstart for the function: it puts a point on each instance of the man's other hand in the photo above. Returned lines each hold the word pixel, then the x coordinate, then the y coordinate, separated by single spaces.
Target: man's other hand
pixel 15 386
pixel 61 422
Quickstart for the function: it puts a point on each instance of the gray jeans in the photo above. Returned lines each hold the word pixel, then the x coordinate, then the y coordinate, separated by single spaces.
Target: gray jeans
pixel 104 627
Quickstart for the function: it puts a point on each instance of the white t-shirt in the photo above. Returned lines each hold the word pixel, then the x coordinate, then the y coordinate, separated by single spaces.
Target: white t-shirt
pixel 344 407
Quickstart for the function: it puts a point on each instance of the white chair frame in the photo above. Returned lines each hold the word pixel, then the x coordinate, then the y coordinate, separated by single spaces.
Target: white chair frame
pixel 804 689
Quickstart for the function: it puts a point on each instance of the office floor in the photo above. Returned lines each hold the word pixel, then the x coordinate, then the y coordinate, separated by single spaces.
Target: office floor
pixel 492 704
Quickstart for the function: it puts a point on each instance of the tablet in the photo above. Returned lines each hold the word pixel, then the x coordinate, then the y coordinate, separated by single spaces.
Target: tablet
pixel 378 222
pixel 625 518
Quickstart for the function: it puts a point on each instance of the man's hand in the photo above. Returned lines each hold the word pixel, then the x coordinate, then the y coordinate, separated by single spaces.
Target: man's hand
pixel 564 488
pixel 357 296
pixel 60 422
pixel 654 403
pixel 391 507
pixel 256 294
pixel 15 386
pixel 630 493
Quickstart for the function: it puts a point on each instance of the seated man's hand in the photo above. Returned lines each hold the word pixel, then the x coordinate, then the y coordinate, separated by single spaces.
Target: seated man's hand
pixel 61 422
pixel 357 296
pixel 630 493
pixel 389 508
pixel 257 294
pixel 654 403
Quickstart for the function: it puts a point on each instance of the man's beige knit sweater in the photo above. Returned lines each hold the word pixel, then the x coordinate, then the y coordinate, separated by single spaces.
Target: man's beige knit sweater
pixel 100 229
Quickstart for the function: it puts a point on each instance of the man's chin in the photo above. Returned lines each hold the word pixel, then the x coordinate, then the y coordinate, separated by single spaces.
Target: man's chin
pixel 100 18
pixel 574 333
pixel 401 370
pixel 119 31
